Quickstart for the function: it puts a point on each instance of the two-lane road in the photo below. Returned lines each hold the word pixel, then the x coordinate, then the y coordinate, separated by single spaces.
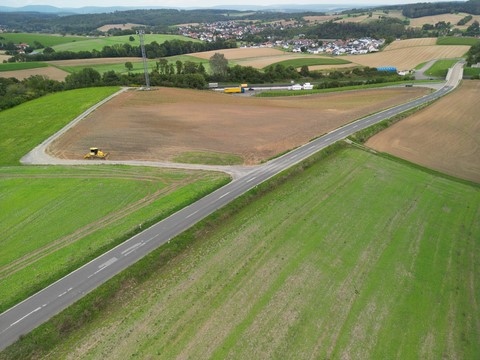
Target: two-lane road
pixel 41 306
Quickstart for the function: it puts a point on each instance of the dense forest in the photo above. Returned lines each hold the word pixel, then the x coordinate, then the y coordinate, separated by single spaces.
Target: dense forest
pixel 436 8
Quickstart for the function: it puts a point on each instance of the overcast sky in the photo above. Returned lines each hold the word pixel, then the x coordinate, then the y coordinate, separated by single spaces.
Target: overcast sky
pixel 192 3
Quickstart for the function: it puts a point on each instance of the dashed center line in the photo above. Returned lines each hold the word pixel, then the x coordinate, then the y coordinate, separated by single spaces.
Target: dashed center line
pixel 30 313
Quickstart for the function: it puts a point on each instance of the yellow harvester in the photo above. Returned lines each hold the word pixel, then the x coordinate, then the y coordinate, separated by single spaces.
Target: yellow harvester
pixel 96 153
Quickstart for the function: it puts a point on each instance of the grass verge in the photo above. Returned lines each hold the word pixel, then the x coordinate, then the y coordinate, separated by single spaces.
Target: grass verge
pixel 440 68
pixel 208 158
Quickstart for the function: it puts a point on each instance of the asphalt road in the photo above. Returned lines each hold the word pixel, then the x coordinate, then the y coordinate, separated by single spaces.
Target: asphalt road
pixel 41 306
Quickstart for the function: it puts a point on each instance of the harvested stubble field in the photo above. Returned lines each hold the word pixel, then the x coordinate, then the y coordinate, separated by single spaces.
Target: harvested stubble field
pixel 406 58
pixel 409 43
pixel 358 257
pixel 448 18
pixel 164 123
pixel 50 72
pixel 445 136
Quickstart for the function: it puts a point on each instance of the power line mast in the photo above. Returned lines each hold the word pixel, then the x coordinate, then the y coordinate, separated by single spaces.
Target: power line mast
pixel 140 34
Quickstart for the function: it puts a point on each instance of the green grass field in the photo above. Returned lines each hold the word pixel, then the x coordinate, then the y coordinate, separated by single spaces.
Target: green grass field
pixel 297 63
pixel 118 68
pixel 453 40
pixel 356 257
pixel 137 65
pixel 46 40
pixel 58 218
pixel 99 43
pixel 27 125
pixel 21 66
pixel 440 67
pixel 471 71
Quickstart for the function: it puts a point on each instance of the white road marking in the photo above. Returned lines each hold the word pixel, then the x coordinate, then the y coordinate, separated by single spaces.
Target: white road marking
pixel 128 250
pixel 191 214
pixel 108 263
pixel 23 317
pixel 253 178
pixel 224 195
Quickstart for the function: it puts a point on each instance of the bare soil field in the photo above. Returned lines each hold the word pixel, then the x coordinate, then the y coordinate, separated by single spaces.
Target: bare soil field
pixel 163 123
pixel 444 136
pixel 408 58
pixel 50 72
pixel 240 53
pixel 126 26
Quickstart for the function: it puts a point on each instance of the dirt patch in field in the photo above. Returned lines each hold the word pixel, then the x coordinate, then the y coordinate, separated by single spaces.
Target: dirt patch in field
pixel 163 123
pixel 319 18
pixel 126 26
pixel 240 53
pixel 50 72
pixel 444 136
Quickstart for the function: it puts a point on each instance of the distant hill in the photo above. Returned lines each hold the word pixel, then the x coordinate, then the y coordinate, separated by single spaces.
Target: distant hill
pixel 99 10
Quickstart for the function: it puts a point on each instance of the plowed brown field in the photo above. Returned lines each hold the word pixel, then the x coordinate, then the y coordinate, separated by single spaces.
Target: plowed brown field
pixel 444 136
pixel 163 123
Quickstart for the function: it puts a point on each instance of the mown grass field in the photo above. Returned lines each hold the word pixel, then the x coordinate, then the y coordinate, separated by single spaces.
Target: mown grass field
pixel 22 66
pixel 27 125
pixel 357 257
pixel 44 39
pixel 56 219
pixel 99 43
pixel 119 67
pixel 453 40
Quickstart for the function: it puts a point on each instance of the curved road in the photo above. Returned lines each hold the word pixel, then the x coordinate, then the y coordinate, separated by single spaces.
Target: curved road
pixel 41 306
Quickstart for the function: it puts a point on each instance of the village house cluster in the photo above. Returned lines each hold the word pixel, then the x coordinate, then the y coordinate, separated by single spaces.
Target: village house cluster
pixel 337 47
pixel 226 30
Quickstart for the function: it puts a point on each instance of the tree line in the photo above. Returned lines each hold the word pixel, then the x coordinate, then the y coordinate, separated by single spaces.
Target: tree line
pixel 152 50
pixel 184 75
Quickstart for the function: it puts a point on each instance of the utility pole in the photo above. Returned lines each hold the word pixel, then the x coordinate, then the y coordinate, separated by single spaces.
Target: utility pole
pixel 140 34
